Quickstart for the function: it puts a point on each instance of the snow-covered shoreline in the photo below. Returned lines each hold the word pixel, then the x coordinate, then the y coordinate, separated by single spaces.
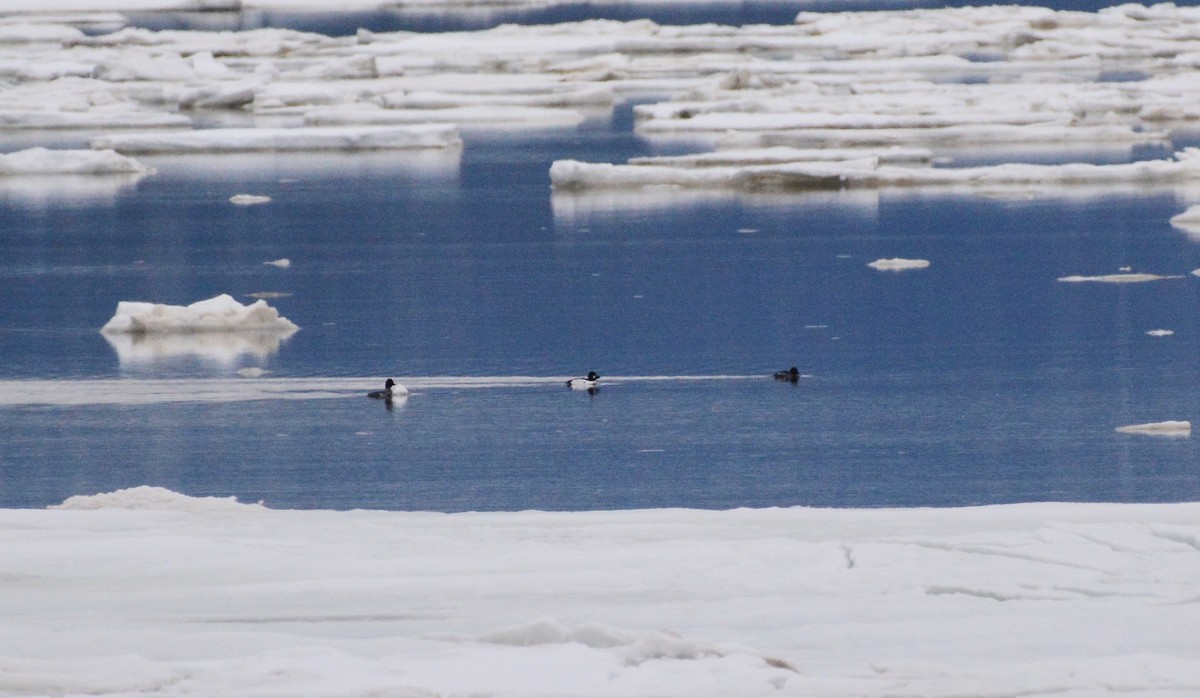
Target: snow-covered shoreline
pixel 148 591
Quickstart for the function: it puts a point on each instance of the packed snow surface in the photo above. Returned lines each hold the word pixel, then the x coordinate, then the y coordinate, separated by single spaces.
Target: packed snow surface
pixel 218 314
pixel 146 591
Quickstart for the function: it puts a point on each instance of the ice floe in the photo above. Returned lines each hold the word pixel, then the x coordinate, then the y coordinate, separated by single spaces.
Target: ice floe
pixel 218 314
pixel 571 175
pixel 1188 221
pixel 249 200
pixel 232 140
pixel 1160 333
pixel 923 81
pixel 44 161
pixel 1169 428
pixel 898 264
pixel 145 590
pixel 1123 278
pixel 281 263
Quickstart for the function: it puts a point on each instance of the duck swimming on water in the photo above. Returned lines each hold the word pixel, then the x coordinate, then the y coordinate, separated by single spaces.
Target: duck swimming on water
pixel 792 375
pixel 588 383
pixel 390 390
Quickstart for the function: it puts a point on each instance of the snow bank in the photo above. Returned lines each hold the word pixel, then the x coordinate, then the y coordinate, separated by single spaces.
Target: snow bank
pixel 218 314
pixel 42 161
pixel 233 140
pixel 147 591
pixel 898 264
pixel 1171 428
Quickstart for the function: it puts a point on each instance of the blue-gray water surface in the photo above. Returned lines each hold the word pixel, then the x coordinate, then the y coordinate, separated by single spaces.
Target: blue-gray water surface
pixel 981 379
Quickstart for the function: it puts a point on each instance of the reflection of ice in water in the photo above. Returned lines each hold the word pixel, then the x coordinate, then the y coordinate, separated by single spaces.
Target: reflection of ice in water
pixel 45 191
pixel 225 349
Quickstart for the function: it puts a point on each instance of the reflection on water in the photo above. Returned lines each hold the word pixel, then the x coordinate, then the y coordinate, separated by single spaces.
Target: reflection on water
pixel 72 191
pixel 145 351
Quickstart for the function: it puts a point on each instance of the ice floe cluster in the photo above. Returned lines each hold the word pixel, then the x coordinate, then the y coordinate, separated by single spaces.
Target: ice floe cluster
pixel 847 99
pixel 146 591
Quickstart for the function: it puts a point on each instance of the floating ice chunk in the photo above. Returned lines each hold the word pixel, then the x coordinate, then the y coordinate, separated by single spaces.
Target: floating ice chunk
pixel 1134 278
pixel 114 116
pixel 765 156
pixel 1160 333
pixel 1169 428
pixel 898 264
pixel 249 200
pixel 218 314
pixel 492 115
pixel 867 172
pixel 282 263
pixel 958 135
pixel 145 497
pixel 252 372
pixel 218 140
pixel 43 161
pixel 1189 220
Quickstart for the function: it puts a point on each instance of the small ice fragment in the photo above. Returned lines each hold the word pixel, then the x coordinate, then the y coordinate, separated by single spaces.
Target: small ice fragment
pixel 898 264
pixel 1189 220
pixel 747 231
pixel 282 263
pixel 1169 428
pixel 1116 278
pixel 1125 270
pixel 1160 333
pixel 268 295
pixel 251 372
pixel 248 199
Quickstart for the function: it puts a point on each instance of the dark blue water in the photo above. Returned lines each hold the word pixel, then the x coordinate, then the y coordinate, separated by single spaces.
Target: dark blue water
pixel 727 12
pixel 979 380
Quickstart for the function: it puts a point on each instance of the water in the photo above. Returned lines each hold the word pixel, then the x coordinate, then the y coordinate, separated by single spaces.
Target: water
pixel 979 380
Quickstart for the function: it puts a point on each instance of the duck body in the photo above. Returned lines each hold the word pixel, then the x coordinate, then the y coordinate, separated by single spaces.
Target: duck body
pixel 792 375
pixel 588 383
pixel 390 390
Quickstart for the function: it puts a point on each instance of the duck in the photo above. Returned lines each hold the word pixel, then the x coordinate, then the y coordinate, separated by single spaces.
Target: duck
pixel 588 383
pixel 792 375
pixel 390 390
